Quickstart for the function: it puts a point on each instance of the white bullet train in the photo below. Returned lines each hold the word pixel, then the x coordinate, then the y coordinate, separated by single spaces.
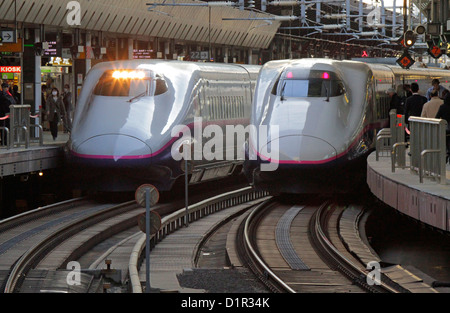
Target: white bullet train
pixel 121 135
pixel 327 114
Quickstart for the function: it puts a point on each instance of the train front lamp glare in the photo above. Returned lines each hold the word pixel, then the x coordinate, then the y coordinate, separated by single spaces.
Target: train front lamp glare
pixel 128 75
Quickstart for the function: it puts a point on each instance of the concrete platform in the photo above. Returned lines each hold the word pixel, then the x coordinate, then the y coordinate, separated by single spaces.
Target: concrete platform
pixel 19 160
pixel 428 202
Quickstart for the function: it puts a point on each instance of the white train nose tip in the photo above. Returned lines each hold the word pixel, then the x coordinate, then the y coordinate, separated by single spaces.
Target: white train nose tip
pixel 301 149
pixel 114 147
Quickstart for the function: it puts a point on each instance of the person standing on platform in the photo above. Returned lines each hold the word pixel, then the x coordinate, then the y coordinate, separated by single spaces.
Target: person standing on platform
pixel 431 107
pixel 43 106
pixel 396 103
pixel 6 99
pixel 17 94
pixel 444 113
pixel 414 104
pixel 55 111
pixel 67 99
pixel 407 89
pixel 435 86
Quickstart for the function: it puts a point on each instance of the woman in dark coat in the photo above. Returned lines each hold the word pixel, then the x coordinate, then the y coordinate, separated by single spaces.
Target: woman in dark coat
pixel 55 111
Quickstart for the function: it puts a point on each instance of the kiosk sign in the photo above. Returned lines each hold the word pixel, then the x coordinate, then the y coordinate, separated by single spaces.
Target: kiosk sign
pixel 10 69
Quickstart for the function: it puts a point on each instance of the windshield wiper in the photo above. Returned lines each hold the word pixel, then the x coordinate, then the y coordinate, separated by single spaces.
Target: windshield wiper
pixel 138 96
pixel 328 94
pixel 282 91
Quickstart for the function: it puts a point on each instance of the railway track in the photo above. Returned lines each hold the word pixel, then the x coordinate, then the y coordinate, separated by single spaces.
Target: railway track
pixel 36 247
pixel 55 239
pixel 306 253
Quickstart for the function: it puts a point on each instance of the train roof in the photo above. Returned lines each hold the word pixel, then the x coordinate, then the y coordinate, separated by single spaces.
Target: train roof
pixel 184 65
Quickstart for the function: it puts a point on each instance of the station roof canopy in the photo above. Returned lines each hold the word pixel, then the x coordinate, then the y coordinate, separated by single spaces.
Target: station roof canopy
pixel 132 18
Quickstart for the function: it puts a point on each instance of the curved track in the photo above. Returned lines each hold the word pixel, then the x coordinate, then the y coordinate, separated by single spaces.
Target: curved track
pixel 36 247
pixel 292 248
pixel 42 242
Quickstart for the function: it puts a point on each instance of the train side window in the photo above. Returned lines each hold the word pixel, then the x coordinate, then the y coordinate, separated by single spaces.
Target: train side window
pixel 275 86
pixel 228 108
pixel 160 86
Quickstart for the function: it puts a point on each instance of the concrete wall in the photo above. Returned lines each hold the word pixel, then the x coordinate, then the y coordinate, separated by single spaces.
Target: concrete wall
pixel 430 209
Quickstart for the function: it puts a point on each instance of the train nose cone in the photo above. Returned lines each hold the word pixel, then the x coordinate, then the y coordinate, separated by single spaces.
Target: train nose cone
pixel 114 147
pixel 301 149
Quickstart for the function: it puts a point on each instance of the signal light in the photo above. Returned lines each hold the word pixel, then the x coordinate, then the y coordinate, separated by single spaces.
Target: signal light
pixel 409 38
pixel 420 29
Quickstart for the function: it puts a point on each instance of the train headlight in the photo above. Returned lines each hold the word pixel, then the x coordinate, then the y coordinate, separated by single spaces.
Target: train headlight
pixel 128 75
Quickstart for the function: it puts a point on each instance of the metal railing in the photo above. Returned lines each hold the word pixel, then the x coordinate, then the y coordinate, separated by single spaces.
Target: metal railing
pixel 4 134
pixel 387 137
pixel 19 131
pixel 428 148
pixel 398 155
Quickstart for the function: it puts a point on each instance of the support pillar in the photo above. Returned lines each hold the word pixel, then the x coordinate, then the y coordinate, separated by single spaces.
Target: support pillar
pixel 38 37
pixel 130 48
pixel 88 48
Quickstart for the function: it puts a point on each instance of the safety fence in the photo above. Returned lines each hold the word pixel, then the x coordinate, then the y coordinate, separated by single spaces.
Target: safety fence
pixel 428 148
pixel 17 130
pixel 388 137
pixel 427 141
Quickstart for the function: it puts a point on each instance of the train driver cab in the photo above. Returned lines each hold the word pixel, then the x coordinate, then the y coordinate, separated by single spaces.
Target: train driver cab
pixel 297 82
pixel 133 84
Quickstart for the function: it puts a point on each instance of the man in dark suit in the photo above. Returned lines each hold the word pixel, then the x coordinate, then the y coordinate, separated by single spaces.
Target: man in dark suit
pixel 414 104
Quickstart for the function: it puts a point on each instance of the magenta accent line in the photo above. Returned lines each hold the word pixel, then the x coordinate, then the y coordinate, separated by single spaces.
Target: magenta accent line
pixel 366 128
pixel 171 141
pixel 111 157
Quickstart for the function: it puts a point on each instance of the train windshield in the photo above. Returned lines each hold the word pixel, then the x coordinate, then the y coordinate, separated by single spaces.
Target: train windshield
pixel 130 83
pixel 315 84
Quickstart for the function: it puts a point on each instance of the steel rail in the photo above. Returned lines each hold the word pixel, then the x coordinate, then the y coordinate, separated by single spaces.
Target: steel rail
pixel 176 220
pixel 252 251
pixel 338 257
pixel 38 251
pixel 25 217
